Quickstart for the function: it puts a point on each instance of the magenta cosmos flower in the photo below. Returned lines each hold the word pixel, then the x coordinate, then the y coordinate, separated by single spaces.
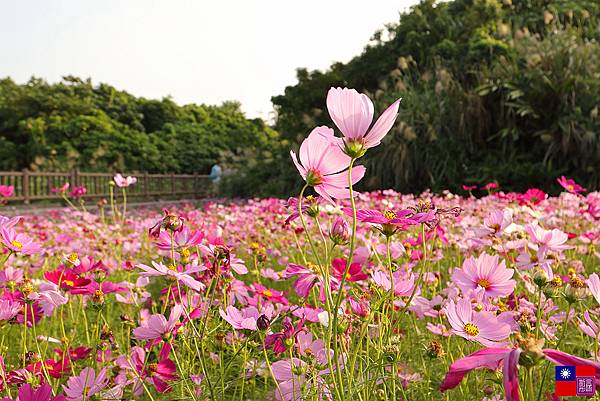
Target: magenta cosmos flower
pixel 84 386
pixel 352 113
pixel 323 165
pixel 157 326
pixel 7 191
pixel 42 393
pixel 18 243
pixel 483 327
pixel 390 221
pixel 570 185
pixel 124 182
pixel 355 272
pixel 485 272
pixel 158 373
pixel 78 192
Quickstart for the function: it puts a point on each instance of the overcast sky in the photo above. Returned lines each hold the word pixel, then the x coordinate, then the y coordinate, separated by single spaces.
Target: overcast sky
pixel 195 51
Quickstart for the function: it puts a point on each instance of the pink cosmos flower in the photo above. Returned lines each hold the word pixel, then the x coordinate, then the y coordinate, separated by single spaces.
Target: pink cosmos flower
pixel 184 277
pixel 48 300
pixel 9 309
pixel 181 239
pixel 489 186
pixel 469 188
pixel 570 185
pixel 323 165
pixel 61 190
pixel 18 243
pixel 7 191
pixel 293 383
pixel 157 326
pixel 588 326
pixel 307 278
pixel 244 320
pixel 403 284
pixel 9 222
pixel 389 220
pixel 483 327
pixel 548 240
pixel 123 182
pixel 495 223
pixel 485 272
pixel 82 387
pixel 42 393
pixel 352 113
pixel 593 283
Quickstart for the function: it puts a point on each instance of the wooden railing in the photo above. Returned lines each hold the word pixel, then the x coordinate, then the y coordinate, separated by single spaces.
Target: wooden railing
pixel 32 185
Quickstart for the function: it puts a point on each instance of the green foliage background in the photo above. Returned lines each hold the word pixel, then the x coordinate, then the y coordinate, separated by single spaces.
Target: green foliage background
pixel 504 90
pixel 492 90
pixel 73 124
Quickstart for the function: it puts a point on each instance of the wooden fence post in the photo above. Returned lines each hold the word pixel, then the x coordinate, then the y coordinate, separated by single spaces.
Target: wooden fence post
pixel 25 183
pixel 146 185
pixel 172 184
pixel 195 187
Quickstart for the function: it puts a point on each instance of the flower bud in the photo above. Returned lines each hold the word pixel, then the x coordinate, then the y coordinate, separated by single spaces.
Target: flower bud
pixel 263 322
pixel 540 278
pixel 339 232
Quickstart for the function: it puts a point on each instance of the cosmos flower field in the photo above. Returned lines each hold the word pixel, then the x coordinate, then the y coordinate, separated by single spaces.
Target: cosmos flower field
pixel 328 295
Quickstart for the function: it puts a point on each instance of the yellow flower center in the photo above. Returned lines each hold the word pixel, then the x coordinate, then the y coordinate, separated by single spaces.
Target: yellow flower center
pixel 268 293
pixel 484 282
pixel 390 214
pixel 72 257
pixel 570 188
pixel 471 329
pixel 310 198
pixel 16 244
pixel 348 276
pixel 70 283
pixel 172 268
pixel 27 289
pixel 185 253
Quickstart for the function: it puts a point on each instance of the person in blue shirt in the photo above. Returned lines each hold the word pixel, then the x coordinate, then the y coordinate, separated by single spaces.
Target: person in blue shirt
pixel 215 173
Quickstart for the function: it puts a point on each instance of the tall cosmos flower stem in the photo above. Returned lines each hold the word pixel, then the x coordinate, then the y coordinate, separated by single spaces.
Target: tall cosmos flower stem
pixel 338 300
pixel 310 241
pixel 421 272
pixel 124 204
pixel 327 289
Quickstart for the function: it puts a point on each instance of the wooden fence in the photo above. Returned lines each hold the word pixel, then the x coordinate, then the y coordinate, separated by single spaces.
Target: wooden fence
pixel 33 186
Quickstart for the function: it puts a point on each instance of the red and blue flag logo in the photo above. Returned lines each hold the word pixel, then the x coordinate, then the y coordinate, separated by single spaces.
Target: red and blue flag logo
pixel 575 381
